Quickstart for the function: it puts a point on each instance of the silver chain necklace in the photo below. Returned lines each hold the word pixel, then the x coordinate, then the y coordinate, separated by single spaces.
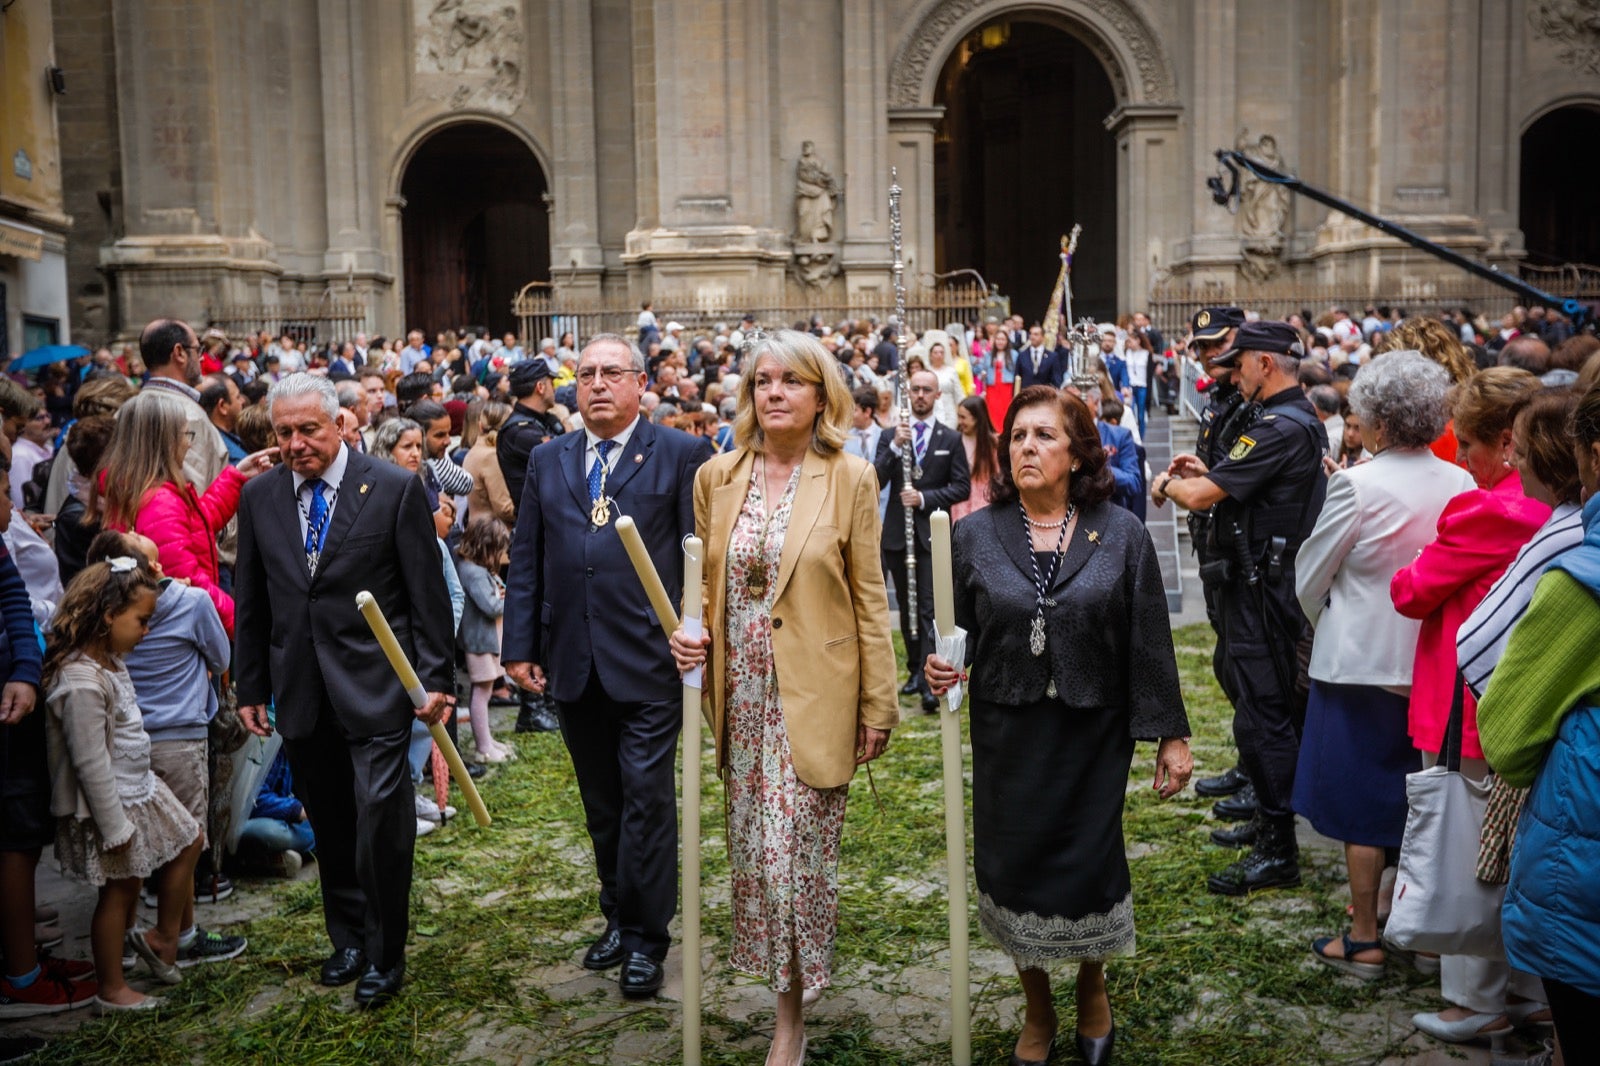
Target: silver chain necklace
pixel 1041 585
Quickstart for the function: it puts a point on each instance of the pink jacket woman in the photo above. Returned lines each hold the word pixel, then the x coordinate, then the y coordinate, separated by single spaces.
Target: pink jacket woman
pixel 1480 532
pixel 185 524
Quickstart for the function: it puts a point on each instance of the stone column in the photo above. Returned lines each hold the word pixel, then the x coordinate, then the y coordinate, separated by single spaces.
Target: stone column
pixel 864 216
pixel 353 262
pixel 911 131
pixel 1213 250
pixel 1151 182
pixel 575 255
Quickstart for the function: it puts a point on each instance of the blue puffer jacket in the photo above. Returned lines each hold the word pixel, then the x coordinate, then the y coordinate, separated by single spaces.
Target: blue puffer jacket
pixel 1551 918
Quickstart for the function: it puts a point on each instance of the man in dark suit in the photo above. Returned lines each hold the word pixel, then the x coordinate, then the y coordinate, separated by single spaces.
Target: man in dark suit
pixel 327 524
pixel 1122 454
pixel 1038 365
pixel 945 481
pixel 579 626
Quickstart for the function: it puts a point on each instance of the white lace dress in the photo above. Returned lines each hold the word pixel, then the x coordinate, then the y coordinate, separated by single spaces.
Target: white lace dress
pixel 162 827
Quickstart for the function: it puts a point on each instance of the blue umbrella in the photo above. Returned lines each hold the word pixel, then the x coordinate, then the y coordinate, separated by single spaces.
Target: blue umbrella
pixel 44 356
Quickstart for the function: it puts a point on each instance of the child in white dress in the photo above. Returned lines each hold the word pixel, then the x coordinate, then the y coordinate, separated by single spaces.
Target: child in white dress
pixel 117 822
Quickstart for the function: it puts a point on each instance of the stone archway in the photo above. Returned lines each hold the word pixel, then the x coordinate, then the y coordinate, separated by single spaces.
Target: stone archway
pixel 473 225
pixel 1560 154
pixel 1141 115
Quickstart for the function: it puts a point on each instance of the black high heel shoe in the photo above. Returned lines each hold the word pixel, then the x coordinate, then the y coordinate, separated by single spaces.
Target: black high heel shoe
pixel 1049 1055
pixel 1096 1050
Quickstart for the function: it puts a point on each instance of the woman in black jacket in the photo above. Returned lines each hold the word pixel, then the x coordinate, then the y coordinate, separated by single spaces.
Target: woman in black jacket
pixel 1071 663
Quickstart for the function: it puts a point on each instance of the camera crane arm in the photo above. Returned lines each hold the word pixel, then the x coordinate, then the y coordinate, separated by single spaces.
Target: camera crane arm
pixel 1226 190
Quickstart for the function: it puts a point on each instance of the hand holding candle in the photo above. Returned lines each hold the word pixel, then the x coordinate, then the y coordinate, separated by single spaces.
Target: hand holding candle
pixel 419 698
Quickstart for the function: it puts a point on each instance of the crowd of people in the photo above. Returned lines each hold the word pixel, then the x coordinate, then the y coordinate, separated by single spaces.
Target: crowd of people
pixel 1395 549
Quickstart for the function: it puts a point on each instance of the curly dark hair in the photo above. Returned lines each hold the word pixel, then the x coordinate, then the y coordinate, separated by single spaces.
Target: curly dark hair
pixel 1092 483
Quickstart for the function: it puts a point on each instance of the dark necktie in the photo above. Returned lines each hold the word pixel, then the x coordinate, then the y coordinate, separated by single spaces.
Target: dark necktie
pixel 920 443
pixel 597 472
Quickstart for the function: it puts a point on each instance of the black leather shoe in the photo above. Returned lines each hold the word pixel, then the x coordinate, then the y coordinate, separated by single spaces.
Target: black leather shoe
pixel 476 770
pixel 641 976
pixel 525 720
pixel 605 952
pixel 930 703
pixel 1238 808
pixel 1096 1050
pixel 1274 862
pixel 378 987
pixel 343 966
pixel 1224 784
pixel 1240 836
pixel 912 686
pixel 545 721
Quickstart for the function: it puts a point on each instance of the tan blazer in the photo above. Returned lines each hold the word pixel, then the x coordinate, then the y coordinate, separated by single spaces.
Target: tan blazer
pixel 489 495
pixel 830 616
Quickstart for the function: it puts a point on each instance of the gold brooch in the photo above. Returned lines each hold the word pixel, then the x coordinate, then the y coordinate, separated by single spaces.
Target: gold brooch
pixel 1094 536
pixel 364 489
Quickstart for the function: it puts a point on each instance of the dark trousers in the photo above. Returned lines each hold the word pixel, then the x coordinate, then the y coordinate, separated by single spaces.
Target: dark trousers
pixel 1577 1017
pixel 624 755
pixel 894 566
pixel 1261 638
pixel 359 798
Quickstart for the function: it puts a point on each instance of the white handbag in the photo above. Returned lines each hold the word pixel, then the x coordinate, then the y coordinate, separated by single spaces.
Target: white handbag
pixel 1439 903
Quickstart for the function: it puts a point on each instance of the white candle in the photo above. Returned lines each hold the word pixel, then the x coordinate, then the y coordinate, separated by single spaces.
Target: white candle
pixel 646 569
pixel 419 697
pixel 693 552
pixel 955 816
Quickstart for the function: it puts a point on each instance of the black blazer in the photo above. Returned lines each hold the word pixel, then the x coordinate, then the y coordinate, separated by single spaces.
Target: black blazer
pixel 1109 641
pixel 301 640
pixel 945 482
pixel 573 601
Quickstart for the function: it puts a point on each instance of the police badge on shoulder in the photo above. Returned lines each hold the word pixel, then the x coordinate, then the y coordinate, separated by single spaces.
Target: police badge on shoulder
pixel 1242 447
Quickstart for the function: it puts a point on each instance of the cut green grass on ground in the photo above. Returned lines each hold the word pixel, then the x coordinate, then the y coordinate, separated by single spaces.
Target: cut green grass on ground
pixel 502 915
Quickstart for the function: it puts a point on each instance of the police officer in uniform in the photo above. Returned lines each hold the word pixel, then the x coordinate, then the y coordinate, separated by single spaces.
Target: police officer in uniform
pixel 530 424
pixel 1211 333
pixel 1264 495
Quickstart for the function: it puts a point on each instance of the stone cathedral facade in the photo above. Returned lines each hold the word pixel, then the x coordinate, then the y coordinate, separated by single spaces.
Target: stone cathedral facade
pixel 429 157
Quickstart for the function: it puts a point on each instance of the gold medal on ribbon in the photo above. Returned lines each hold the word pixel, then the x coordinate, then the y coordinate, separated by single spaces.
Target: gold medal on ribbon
pixel 600 513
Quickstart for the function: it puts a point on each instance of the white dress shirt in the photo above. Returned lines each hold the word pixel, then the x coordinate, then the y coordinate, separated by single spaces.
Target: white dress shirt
pixel 591 452
pixel 331 477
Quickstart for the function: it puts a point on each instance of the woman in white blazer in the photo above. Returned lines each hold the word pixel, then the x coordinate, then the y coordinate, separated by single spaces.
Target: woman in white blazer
pixel 1355 752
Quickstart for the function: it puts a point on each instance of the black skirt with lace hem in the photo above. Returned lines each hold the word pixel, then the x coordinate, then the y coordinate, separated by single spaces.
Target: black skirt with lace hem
pixel 1048 784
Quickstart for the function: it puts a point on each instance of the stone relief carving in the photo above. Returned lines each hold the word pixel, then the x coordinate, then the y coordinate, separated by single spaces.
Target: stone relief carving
pixel 927 45
pixel 469 52
pixel 815 193
pixel 814 264
pixel 1263 209
pixel 1574 25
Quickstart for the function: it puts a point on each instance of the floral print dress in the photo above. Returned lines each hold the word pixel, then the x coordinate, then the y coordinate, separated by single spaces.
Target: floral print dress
pixel 783 835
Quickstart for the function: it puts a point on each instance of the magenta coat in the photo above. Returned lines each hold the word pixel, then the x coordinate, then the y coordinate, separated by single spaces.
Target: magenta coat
pixel 185 525
pixel 1480 532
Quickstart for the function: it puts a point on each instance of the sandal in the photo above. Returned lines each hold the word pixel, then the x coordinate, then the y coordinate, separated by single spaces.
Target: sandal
pixel 1367 971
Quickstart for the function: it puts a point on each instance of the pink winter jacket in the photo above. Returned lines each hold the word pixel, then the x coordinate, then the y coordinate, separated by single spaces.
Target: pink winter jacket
pixel 184 526
pixel 1480 532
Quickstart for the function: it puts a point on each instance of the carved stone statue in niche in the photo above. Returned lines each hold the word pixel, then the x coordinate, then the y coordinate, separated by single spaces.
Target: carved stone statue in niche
pixel 1263 209
pixel 815 193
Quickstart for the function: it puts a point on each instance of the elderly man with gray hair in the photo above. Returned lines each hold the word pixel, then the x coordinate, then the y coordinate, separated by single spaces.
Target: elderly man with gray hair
pixel 1355 752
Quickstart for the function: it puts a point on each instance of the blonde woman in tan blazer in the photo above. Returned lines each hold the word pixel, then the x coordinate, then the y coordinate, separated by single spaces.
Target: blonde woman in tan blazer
pixel 489 495
pixel 800 686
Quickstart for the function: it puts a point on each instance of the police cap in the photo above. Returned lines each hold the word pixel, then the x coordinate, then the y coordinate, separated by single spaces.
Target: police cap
pixel 1279 338
pixel 1213 323
pixel 526 374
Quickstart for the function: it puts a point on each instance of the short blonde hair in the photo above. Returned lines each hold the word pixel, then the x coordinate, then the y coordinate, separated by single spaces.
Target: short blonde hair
pixel 808 360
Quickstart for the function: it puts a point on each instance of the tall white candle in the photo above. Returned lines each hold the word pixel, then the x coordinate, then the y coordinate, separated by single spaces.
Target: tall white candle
pixel 646 569
pixel 693 553
pixel 955 816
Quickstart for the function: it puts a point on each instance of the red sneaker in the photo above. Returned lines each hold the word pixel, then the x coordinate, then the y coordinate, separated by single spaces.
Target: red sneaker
pixel 45 996
pixel 67 969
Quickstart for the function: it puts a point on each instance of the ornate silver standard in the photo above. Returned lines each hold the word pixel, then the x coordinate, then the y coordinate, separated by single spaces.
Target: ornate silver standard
pixel 909 469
